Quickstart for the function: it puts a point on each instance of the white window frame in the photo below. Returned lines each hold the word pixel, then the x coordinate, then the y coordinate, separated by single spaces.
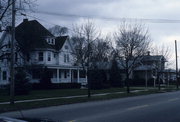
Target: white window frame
pixel 65 58
pixel 49 56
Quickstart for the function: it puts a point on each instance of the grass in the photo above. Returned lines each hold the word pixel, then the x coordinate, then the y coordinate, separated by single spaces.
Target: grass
pixel 37 94
pixel 30 105
pixel 55 93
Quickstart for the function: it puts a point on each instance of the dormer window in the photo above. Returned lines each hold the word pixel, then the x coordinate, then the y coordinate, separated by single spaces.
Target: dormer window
pixel 51 41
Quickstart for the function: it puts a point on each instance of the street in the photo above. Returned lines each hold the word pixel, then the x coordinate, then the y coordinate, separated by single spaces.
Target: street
pixel 163 107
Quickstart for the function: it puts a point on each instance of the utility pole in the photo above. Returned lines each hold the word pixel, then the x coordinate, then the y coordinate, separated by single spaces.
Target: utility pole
pixel 87 72
pixel 177 84
pixel 12 53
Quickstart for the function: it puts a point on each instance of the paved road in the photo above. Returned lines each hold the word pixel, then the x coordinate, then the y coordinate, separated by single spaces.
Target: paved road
pixel 164 107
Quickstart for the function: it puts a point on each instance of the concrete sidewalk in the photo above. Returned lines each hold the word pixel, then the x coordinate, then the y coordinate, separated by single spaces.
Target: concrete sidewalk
pixel 67 97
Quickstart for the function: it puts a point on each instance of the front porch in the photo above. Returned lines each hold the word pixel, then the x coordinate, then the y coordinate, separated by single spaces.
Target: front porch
pixel 67 74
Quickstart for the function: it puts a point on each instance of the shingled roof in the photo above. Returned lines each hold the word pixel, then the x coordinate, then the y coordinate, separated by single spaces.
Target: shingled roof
pixel 32 35
pixel 60 42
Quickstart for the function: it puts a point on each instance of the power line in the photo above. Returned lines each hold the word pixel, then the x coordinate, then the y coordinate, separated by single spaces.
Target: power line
pixel 69 28
pixel 146 20
pixel 37 18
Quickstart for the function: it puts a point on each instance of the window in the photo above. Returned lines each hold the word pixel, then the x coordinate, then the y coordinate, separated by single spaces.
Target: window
pixel 41 58
pixel 66 47
pixel 49 56
pixel 64 58
pixel 67 56
pixel 4 75
pixel 49 41
pixel 52 41
pixel 65 74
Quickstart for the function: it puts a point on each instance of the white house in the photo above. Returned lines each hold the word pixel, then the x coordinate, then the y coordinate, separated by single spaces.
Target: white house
pixel 36 46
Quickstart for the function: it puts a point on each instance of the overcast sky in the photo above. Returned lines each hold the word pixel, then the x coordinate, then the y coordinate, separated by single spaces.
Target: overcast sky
pixel 161 33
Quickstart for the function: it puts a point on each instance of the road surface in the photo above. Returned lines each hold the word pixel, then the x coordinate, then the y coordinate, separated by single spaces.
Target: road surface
pixel 164 107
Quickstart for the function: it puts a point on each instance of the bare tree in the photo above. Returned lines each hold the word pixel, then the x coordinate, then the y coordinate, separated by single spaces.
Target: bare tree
pixel 84 36
pixel 5 17
pixel 58 30
pixel 5 9
pixel 132 42
pixel 102 50
pixel 164 51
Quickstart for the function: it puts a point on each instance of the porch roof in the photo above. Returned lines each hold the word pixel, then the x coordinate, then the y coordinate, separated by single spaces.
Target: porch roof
pixel 144 68
pixel 63 67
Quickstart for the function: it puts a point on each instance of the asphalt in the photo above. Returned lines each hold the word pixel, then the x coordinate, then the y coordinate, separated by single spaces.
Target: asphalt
pixel 163 107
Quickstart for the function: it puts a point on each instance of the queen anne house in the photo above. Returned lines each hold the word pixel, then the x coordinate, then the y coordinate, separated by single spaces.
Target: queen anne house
pixel 36 46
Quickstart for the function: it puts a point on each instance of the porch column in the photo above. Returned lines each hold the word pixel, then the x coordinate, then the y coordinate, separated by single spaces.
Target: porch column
pixel 70 75
pixel 57 75
pixel 78 75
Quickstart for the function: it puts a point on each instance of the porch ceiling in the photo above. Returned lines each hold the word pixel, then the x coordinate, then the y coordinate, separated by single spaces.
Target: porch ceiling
pixel 64 67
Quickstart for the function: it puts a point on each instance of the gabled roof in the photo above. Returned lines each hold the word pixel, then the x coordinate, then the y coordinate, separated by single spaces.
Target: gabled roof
pixel 153 58
pixel 31 34
pixel 60 42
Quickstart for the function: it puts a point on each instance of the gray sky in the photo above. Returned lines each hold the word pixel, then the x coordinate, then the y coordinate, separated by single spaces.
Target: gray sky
pixel 161 33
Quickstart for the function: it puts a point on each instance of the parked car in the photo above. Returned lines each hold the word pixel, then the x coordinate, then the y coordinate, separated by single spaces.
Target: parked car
pixel 8 119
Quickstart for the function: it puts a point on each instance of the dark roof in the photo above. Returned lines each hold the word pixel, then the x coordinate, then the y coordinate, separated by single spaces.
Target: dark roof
pixel 60 42
pixel 31 35
pixel 153 58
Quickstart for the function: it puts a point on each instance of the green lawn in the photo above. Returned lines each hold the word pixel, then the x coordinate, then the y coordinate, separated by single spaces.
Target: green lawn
pixel 70 92
pixel 37 94
pixel 39 104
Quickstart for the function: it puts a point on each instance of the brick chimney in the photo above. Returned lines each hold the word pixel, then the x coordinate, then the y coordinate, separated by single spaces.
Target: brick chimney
pixel 25 20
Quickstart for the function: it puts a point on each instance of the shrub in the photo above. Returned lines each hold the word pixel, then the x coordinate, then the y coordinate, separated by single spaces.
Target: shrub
pixel 115 75
pixel 37 86
pixel 98 79
pixel 45 80
pixel 22 85
pixel 151 82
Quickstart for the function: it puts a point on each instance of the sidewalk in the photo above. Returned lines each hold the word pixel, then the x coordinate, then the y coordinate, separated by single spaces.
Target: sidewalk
pixel 68 97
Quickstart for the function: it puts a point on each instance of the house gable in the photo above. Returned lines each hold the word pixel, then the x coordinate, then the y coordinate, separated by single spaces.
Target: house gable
pixel 66 53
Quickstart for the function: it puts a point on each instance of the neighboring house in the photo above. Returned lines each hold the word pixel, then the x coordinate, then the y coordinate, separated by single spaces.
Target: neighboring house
pixel 36 46
pixel 170 75
pixel 151 67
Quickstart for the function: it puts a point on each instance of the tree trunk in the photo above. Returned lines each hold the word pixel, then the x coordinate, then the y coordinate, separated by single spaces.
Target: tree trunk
pixel 127 77
pixel 159 84
pixel 88 83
